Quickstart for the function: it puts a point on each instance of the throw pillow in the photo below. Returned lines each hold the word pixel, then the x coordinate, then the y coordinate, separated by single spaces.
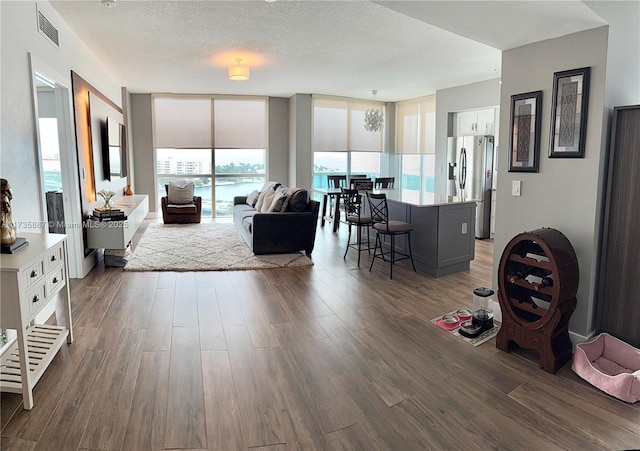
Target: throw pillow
pixel 180 194
pixel 252 198
pixel 278 200
pixel 270 184
pixel 268 199
pixel 260 201
pixel 298 200
pixel 286 192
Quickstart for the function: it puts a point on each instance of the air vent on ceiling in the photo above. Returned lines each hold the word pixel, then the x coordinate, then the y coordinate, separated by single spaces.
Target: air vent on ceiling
pixel 47 29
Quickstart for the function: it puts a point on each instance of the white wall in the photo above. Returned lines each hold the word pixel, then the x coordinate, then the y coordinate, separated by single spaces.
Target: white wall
pixel 18 148
pixel 623 53
pixel 461 98
pixel 564 194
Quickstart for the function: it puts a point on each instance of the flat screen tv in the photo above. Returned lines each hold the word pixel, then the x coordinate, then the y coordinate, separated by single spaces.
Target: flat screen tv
pixel 113 149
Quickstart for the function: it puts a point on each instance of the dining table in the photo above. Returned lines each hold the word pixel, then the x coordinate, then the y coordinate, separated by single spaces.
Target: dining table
pixel 334 216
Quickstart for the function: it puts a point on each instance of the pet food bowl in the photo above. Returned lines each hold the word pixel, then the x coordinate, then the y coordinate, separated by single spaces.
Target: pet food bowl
pixel 464 314
pixel 450 319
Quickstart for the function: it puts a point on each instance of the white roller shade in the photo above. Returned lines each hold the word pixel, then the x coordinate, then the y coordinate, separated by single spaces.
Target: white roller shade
pixel 360 139
pixel 330 124
pixel 240 124
pixel 407 121
pixel 182 122
pixel 428 125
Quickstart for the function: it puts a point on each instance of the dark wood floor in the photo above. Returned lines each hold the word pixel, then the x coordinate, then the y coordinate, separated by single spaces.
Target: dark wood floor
pixel 325 357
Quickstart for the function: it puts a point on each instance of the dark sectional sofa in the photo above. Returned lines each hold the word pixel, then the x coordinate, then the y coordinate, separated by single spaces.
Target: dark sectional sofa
pixel 277 232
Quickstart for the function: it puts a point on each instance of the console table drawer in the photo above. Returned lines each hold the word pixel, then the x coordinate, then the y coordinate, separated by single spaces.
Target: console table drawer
pixel 55 280
pixel 53 258
pixel 33 274
pixel 35 298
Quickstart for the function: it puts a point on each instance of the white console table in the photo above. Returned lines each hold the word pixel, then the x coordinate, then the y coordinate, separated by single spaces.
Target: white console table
pixel 118 234
pixel 31 278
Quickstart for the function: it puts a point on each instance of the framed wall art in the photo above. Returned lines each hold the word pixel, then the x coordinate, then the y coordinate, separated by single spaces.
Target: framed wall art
pixel 524 139
pixel 569 113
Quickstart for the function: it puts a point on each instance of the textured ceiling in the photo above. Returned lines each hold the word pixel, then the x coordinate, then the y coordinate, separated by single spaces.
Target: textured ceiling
pixel 342 48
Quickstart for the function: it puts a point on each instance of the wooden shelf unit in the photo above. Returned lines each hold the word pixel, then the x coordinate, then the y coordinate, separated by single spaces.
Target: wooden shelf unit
pixel 533 316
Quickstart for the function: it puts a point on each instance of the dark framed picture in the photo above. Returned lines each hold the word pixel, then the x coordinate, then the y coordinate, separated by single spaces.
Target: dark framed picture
pixel 569 113
pixel 524 140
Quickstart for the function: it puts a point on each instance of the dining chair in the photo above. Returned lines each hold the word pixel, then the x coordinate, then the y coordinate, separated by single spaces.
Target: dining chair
pixel 355 216
pixel 337 181
pixel 360 183
pixel 384 182
pixel 384 227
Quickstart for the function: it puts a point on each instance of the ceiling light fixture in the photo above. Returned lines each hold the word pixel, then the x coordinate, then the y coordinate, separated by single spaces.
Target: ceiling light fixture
pixel 109 3
pixel 374 117
pixel 238 72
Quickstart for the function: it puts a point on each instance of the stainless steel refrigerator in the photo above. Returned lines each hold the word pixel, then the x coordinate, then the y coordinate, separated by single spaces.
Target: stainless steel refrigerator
pixel 470 176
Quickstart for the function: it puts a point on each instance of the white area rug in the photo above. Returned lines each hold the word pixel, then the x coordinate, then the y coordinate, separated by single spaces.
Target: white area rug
pixel 202 247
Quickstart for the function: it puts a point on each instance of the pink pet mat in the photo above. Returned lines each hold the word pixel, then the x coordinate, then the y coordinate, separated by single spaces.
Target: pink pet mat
pixel 611 365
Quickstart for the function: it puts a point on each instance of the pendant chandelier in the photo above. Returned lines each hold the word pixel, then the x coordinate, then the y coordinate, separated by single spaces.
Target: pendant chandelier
pixel 374 117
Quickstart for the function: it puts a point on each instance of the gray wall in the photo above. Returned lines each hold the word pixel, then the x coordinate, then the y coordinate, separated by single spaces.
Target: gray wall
pixel 278 165
pixel 564 194
pixel 47 102
pixel 300 138
pixel 142 147
pixel 474 96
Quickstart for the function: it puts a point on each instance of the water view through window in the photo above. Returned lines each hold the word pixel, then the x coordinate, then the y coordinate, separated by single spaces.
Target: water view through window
pixel 237 173
pixel 50 153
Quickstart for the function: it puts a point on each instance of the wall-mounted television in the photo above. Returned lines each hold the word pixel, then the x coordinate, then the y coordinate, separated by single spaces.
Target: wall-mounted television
pixel 114 162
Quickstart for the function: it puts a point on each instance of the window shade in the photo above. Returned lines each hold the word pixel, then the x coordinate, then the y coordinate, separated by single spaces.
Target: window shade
pixel 182 122
pixel 407 128
pixel 330 124
pixel 359 138
pixel 240 124
pixel 428 125
pixel 416 126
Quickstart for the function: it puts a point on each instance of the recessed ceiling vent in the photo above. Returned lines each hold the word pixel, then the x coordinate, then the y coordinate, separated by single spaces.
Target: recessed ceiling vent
pixel 47 29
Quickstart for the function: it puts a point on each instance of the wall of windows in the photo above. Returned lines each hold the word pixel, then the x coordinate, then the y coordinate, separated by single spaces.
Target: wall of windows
pixel 341 145
pixel 220 144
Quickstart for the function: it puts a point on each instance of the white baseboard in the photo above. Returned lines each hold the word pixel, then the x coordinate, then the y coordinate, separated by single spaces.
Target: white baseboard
pixel 577 338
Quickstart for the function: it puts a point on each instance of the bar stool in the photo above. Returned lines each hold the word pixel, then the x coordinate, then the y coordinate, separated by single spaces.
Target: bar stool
pixel 383 226
pixel 353 212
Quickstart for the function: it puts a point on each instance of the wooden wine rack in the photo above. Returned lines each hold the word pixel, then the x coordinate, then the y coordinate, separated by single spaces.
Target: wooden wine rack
pixel 535 316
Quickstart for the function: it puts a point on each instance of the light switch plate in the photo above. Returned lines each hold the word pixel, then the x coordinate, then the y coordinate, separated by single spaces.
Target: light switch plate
pixel 515 187
pixel 464 228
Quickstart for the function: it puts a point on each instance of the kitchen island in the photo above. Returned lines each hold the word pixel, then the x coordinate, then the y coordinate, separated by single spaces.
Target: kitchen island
pixel 443 238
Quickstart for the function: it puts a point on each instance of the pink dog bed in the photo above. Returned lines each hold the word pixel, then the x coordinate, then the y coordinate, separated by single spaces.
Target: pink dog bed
pixel 611 365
